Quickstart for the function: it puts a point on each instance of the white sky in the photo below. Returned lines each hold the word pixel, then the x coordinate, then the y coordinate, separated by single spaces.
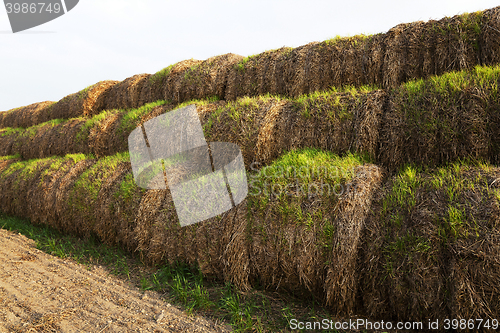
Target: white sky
pixel 115 39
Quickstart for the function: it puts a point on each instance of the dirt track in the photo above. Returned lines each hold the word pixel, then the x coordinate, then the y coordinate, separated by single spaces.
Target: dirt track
pixel 42 293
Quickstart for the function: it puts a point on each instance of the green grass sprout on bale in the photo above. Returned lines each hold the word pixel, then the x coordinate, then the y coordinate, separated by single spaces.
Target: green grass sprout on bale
pixel 132 117
pixel 27 168
pixel 10 157
pixel 451 185
pixel 82 93
pixel 483 77
pixel 158 76
pixel 84 132
pixel 91 180
pixel 10 131
pixel 240 66
pixel 297 172
pixel 352 39
pixel 58 163
pixel 30 132
pixel 127 187
pixel 198 102
pixel 12 168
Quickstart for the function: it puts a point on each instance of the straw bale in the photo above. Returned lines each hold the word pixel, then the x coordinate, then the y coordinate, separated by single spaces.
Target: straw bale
pixel 205 79
pixel 83 103
pixel 341 284
pixel 115 214
pixel 395 57
pixel 457 42
pixel 26 116
pixel 239 122
pixel 429 41
pixel 7 141
pixel 152 90
pixel 51 140
pixel 127 93
pixel 170 89
pixel 419 263
pixel 334 63
pixel 289 253
pixel 218 245
pixel 43 199
pixel 235 257
pixel 159 86
pixel 103 139
pixel 490 36
pixel 259 74
pixel 338 122
pixel 442 57
pixel 84 197
pixel 266 139
pixel 464 48
pixel 65 211
pixel 22 185
pixel 413 51
pixel 157 228
pixel 210 245
pixel 475 274
pixel 373 60
pixel 8 198
pixel 433 128
pixel 347 62
pixel 397 284
pixel 298 68
pixel 474 268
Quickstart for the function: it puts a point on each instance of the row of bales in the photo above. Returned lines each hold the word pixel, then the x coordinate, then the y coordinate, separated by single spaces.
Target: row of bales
pixel 407 51
pixel 397 218
pixel 427 121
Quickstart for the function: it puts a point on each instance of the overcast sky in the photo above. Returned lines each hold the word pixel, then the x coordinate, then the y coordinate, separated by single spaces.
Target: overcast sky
pixel 115 39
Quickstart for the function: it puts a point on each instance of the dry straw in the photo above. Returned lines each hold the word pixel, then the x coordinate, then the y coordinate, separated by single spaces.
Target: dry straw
pixel 160 85
pixel 338 122
pixel 490 34
pixel 259 74
pixel 83 103
pixel 26 116
pixel 203 80
pixel 126 94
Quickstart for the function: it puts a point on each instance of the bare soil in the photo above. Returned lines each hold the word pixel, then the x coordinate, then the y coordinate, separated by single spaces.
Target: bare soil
pixel 43 293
